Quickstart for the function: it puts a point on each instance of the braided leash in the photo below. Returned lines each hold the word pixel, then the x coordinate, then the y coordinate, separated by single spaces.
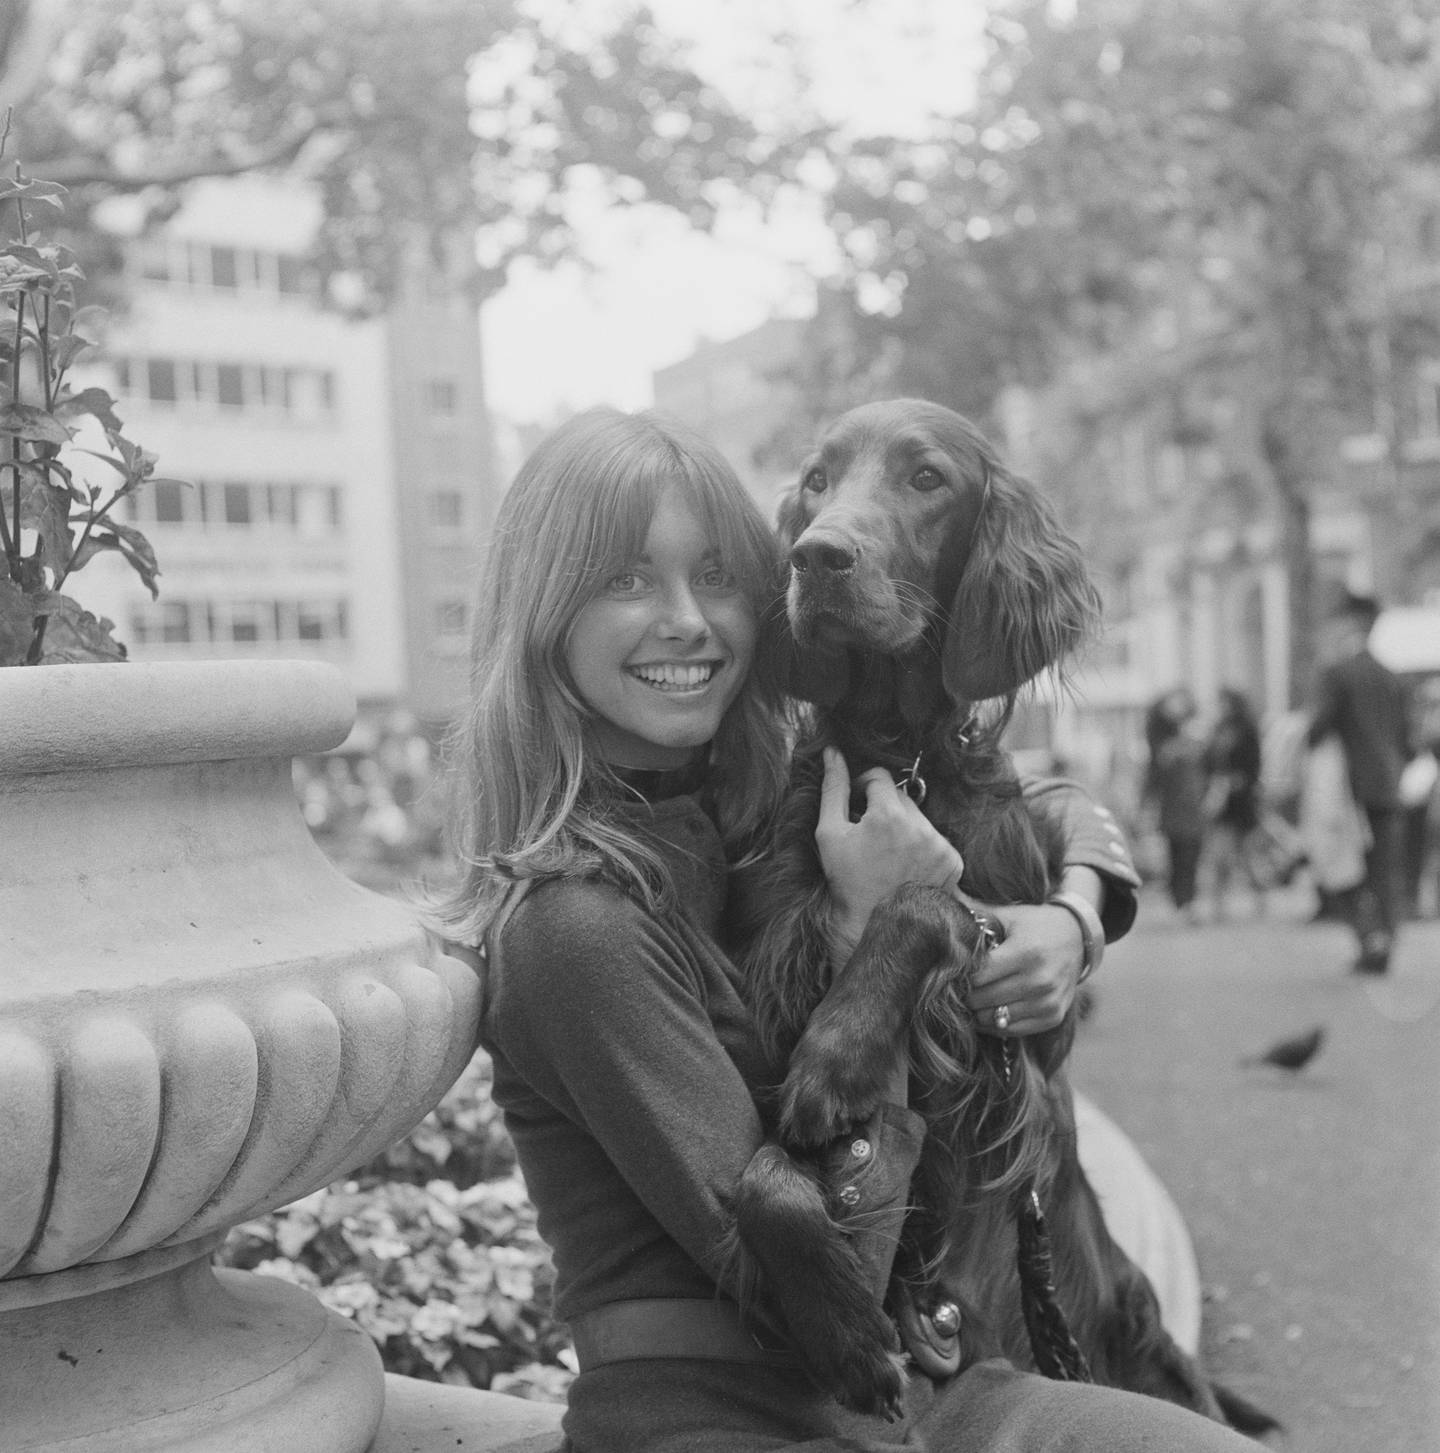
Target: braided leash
pixel 1057 1353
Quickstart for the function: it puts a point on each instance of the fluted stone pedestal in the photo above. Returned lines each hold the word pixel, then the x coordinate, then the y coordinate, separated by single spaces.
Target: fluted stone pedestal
pixel 200 1019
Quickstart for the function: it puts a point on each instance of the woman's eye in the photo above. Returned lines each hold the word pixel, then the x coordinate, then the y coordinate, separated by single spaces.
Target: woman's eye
pixel 925 479
pixel 717 577
pixel 814 481
pixel 627 582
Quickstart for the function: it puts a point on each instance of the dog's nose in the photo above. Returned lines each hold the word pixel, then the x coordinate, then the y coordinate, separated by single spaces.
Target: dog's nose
pixel 823 555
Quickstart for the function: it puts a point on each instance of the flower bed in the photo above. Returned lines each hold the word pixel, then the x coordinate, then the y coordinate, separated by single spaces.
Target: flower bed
pixel 432 1249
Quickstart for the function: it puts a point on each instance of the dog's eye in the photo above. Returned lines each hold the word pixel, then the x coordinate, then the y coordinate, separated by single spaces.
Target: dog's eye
pixel 926 479
pixel 814 481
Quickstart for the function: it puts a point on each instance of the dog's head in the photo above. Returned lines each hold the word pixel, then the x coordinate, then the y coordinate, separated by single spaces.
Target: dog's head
pixel 906 527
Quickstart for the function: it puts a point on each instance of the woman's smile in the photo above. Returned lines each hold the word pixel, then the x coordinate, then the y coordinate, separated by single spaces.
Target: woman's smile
pixel 675 677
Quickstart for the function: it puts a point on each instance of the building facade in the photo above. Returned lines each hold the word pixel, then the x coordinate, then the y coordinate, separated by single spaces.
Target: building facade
pixel 739 393
pixel 323 481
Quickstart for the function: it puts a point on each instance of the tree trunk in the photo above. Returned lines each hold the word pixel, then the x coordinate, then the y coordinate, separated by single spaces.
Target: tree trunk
pixel 1286 456
pixel 27 31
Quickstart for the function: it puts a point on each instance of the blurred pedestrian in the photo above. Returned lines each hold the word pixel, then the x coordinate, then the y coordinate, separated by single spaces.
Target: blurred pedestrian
pixel 1363 704
pixel 1232 799
pixel 1420 806
pixel 1175 787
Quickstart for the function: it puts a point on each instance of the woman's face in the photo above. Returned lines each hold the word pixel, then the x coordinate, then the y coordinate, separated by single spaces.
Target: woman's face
pixel 660 654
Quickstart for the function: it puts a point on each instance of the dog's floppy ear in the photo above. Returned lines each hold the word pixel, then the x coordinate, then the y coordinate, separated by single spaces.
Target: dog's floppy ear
pixel 1024 599
pixel 810 673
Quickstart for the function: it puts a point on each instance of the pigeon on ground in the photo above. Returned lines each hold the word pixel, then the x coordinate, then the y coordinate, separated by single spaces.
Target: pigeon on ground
pixel 1291 1054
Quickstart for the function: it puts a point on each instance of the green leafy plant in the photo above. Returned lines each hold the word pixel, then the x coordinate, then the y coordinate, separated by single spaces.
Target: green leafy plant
pixel 432 1249
pixel 54 519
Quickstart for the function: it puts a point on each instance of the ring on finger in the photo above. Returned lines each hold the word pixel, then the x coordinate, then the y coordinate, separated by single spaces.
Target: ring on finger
pixel 1002 1017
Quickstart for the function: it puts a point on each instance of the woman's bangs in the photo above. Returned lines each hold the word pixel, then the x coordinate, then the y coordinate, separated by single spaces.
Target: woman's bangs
pixel 621 520
pixel 734 524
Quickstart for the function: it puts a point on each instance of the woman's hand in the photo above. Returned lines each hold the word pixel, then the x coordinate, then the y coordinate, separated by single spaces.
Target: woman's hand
pixel 865 861
pixel 1035 972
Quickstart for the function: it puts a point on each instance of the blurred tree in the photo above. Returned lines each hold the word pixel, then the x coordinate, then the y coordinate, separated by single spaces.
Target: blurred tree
pixel 469 123
pixel 1147 193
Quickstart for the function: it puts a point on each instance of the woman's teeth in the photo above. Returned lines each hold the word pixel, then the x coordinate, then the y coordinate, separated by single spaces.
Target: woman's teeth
pixel 674 677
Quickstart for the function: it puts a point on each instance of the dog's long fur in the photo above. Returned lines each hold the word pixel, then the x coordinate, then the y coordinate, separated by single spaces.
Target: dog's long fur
pixel 927 578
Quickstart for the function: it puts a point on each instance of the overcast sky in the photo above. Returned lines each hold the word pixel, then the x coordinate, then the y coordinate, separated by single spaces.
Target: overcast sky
pixel 570 338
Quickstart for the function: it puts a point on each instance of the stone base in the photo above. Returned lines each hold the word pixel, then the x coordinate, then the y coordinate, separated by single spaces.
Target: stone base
pixel 1143 1218
pixel 185 1360
pixel 425 1417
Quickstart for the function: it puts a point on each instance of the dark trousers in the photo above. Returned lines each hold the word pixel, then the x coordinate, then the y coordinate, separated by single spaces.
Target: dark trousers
pixel 1184 868
pixel 1376 909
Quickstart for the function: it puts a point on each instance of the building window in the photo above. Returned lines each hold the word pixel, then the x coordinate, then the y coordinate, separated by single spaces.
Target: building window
pixel 442 398
pixel 160 385
pixel 446 509
pixel 167 498
pixel 237 505
pixel 174 621
pixel 247 622
pixel 452 618
pixel 230 385
pixel 224 268
pixel 307 393
pixel 204 266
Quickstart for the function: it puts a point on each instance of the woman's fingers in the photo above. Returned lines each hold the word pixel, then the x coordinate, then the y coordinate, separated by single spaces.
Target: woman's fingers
pixel 891 843
pixel 1032 973
pixel 834 789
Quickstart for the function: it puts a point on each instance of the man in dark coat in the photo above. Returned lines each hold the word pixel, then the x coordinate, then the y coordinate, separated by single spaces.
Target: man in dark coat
pixel 1364 704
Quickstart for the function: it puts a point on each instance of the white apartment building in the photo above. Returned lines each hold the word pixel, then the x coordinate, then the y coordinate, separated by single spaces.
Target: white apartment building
pixel 335 475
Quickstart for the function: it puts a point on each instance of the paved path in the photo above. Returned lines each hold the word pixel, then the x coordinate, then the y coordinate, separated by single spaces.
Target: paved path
pixel 1313 1200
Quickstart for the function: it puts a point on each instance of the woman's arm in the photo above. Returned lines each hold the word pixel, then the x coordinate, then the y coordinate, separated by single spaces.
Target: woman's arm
pixel 1048 950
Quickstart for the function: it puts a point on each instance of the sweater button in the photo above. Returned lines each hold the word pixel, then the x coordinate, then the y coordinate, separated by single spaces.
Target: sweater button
pixel 849 1195
pixel 860 1149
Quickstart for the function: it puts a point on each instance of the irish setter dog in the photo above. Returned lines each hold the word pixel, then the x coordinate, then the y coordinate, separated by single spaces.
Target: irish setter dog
pixel 925 579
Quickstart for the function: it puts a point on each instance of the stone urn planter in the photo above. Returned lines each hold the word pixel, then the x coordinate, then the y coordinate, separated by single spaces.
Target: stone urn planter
pixel 200 1019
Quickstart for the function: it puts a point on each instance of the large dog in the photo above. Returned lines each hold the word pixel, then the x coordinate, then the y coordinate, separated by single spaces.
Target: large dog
pixel 927 579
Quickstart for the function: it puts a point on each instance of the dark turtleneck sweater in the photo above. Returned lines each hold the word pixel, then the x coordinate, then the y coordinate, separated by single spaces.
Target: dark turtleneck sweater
pixel 625 1061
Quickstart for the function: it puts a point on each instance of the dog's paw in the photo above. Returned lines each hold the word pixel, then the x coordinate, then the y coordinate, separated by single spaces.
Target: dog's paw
pixel 858 1358
pixel 830 1088
pixel 814 1110
pixel 878 1388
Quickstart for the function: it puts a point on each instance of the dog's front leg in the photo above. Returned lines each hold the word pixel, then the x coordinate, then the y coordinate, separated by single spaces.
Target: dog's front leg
pixel 844 1060
pixel 792 1256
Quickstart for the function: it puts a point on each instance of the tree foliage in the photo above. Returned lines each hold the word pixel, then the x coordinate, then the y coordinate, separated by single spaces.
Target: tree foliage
pixel 432 121
pixel 1147 195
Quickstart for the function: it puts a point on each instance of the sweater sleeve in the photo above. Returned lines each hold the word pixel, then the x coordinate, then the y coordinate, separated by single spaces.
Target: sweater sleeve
pixel 1094 840
pixel 601 1009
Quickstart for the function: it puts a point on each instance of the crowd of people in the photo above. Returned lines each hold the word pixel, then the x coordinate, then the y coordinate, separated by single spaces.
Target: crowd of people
pixel 373 804
pixel 1346 791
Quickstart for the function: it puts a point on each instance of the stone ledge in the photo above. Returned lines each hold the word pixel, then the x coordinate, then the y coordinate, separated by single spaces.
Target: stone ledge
pixel 428 1417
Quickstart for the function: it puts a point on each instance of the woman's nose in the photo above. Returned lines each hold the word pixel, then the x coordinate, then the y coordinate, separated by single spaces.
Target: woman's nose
pixel 681 618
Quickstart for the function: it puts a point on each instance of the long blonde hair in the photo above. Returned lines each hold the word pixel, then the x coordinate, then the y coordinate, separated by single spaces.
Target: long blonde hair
pixel 523 791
